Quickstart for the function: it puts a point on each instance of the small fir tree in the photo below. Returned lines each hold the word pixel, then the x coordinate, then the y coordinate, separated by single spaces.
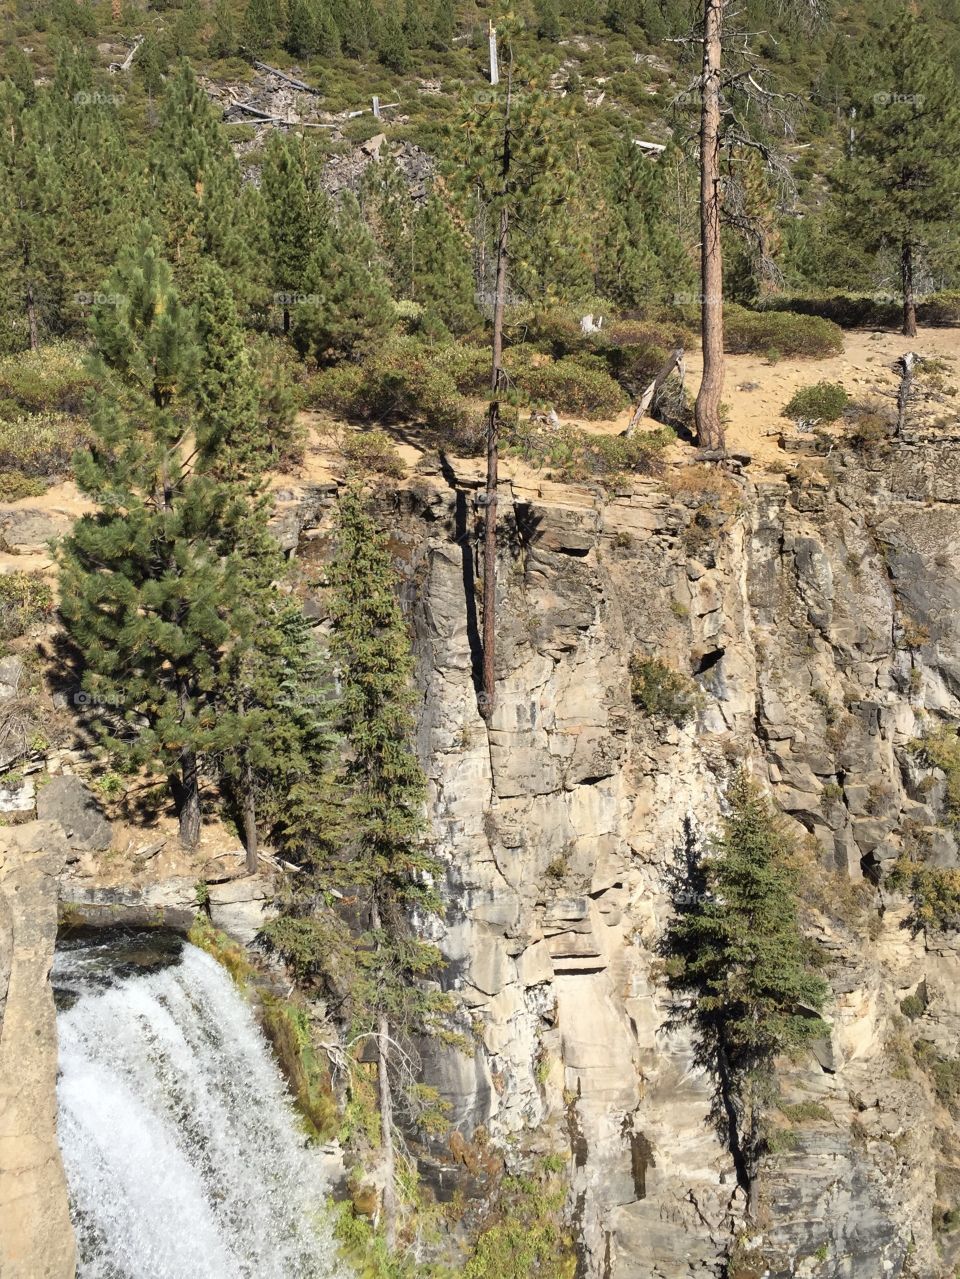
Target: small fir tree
pixel 737 953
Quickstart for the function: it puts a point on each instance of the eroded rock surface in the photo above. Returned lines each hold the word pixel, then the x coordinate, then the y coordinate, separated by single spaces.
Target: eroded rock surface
pixel 36 1239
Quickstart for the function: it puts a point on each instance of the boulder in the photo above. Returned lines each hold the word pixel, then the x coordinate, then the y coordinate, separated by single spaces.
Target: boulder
pixel 67 800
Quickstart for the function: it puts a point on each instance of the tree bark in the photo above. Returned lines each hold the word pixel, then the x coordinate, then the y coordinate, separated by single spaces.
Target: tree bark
pixel 909 299
pixel 385 1102
pixel 644 404
pixel 487 698
pixel 709 426
pixel 488 692
pixel 32 319
pixel 250 840
pixel 906 365
pixel 286 319
pixel 189 799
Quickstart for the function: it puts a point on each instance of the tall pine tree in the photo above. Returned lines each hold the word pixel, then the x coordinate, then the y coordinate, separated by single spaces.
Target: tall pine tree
pixel 900 183
pixel 152 584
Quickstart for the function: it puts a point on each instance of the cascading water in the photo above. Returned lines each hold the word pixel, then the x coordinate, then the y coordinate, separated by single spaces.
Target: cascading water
pixel 180 1145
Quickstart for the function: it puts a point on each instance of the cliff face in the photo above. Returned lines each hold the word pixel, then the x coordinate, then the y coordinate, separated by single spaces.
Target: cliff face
pixel 36 1241
pixel 817 613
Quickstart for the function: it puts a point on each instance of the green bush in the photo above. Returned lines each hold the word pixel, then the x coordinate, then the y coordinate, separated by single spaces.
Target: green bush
pixel 41 444
pixel 848 310
pixel 406 382
pixel 576 386
pixel 756 332
pixel 941 749
pixel 14 486
pixel 940 309
pixel 824 401
pixel 577 456
pixel 371 450
pixel 663 692
pixel 25 600
pixel 943 1071
pixel 934 893
pixel 52 380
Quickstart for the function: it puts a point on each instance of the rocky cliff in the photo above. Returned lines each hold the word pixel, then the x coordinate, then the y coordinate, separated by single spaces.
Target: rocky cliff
pixel 36 1241
pixel 815 610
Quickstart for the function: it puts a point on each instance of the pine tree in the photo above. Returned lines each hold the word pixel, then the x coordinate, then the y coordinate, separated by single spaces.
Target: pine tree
pixel 736 949
pixel 509 157
pixel 258 30
pixel 392 48
pixel 199 207
pixel 352 20
pixel 303 36
pixel 348 307
pixel 442 271
pixel 901 181
pixel 297 212
pixel 233 438
pixel 151 584
pixel 388 211
pixel 378 848
pixel 224 43
pixel 641 259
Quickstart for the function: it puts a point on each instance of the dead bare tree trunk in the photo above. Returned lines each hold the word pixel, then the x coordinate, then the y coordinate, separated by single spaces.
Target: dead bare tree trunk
pixel 709 425
pixel 647 399
pixel 487 698
pixel 488 692
pixel 906 366
pixel 188 796
pixel 250 838
pixel 385 1102
pixel 32 319
pixel 909 299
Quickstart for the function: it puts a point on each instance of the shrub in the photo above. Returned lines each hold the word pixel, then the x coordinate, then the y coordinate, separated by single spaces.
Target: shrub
pixel 41 444
pixel 941 749
pixel 806 1111
pixel 578 386
pixel 52 380
pixel 940 309
pixel 848 310
pixel 870 426
pixel 371 450
pixel 943 1071
pixel 663 692
pixel 25 600
pixel 14 486
pixel 933 892
pixel 824 401
pixel 577 456
pixel 755 332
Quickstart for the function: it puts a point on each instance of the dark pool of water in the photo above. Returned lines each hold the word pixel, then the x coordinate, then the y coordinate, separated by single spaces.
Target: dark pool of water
pixel 95 958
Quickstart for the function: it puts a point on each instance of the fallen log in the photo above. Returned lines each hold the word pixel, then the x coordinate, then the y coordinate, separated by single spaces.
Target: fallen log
pixel 281 75
pixel 126 64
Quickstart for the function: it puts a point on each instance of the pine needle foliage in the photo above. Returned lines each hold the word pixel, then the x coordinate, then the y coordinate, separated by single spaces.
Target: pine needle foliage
pixel 740 964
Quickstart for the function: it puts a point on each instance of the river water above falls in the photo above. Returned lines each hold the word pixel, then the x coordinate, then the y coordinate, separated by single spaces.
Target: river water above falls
pixel 182 1152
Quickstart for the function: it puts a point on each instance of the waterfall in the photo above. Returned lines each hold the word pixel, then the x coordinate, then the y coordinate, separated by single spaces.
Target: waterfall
pixel 181 1147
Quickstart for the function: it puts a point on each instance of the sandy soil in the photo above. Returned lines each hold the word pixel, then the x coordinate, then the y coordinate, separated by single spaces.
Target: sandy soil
pixel 756 392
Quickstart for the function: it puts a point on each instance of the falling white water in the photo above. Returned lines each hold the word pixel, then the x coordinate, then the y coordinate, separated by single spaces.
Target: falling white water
pixel 181 1148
